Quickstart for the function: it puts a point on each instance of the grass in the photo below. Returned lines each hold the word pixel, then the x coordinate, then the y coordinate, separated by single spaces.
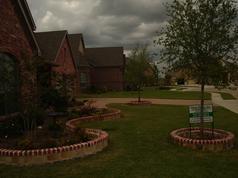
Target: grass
pixel 227 96
pixel 151 93
pixel 139 147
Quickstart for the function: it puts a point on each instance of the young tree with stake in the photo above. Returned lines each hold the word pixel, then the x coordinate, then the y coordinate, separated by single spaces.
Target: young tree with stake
pixel 200 37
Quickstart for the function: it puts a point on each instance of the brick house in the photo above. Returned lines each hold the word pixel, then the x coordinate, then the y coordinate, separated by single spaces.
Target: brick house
pixel 56 50
pixel 108 65
pixel 17 42
pixel 78 49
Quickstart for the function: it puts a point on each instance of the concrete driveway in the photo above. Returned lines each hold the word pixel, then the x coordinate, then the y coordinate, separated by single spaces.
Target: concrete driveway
pixel 231 105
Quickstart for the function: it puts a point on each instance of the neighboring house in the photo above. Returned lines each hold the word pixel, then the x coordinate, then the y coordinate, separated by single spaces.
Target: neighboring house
pixel 78 49
pixel 180 77
pixel 17 42
pixel 108 65
pixel 56 50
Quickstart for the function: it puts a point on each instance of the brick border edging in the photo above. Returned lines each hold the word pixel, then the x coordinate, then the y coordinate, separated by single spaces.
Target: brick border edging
pixel 50 155
pixel 141 103
pixel 225 143
pixel 72 124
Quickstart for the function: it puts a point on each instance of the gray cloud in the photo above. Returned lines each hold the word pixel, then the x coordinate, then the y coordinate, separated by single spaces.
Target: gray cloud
pixel 103 22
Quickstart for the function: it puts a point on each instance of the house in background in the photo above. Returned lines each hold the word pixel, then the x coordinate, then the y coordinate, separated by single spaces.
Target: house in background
pixel 101 68
pixel 17 44
pixel 108 66
pixel 56 50
pixel 79 53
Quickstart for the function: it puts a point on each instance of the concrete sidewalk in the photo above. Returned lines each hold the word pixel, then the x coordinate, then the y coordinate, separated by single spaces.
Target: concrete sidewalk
pixel 102 102
pixel 231 105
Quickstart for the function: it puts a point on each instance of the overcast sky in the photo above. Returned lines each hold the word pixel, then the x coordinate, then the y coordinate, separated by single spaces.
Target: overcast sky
pixel 102 22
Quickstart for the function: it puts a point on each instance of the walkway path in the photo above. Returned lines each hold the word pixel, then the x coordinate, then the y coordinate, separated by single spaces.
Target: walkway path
pixel 232 105
pixel 102 102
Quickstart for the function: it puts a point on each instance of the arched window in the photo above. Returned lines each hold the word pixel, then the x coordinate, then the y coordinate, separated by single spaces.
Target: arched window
pixel 9 85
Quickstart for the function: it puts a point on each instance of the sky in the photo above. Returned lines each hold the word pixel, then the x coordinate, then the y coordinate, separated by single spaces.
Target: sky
pixel 103 22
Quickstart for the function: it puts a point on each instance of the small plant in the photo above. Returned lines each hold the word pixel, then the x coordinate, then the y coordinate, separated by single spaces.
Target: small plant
pixel 86 110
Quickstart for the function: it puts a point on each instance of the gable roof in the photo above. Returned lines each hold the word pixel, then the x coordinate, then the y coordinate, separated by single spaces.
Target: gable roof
pixel 80 59
pixel 50 43
pixel 26 13
pixel 106 56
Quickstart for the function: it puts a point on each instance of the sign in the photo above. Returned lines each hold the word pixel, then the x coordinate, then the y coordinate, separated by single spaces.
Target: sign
pixel 195 114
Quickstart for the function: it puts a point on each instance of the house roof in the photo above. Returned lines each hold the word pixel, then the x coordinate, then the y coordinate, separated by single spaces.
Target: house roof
pixel 80 59
pixel 106 56
pixel 26 13
pixel 50 43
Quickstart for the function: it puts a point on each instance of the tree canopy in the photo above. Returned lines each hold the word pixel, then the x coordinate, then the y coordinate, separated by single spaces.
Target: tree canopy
pixel 200 36
pixel 138 70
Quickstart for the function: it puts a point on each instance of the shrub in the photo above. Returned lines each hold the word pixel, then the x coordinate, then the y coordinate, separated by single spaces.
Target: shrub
pixel 32 117
pixel 11 127
pixel 52 98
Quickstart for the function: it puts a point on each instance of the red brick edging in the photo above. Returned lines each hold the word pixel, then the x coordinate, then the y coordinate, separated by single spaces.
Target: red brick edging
pixel 72 124
pixel 50 155
pixel 226 142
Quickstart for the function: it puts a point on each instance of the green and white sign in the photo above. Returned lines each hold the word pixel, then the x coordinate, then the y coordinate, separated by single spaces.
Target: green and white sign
pixel 195 114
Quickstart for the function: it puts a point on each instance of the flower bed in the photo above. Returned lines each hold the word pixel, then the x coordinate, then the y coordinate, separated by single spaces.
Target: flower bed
pixel 216 140
pixel 50 155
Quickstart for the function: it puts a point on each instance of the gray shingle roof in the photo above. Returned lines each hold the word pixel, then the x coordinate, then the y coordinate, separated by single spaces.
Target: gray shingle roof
pixel 50 43
pixel 80 59
pixel 106 56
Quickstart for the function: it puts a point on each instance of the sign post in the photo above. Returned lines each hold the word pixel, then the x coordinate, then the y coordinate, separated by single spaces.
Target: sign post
pixel 195 115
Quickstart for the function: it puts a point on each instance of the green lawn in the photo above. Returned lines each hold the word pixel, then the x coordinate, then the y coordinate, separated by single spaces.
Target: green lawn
pixel 140 148
pixel 227 96
pixel 151 93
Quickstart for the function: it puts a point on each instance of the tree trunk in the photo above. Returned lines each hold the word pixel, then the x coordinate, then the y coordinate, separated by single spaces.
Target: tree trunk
pixel 139 94
pixel 202 107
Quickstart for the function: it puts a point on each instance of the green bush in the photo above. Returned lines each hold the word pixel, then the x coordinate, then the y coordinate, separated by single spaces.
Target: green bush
pixel 52 98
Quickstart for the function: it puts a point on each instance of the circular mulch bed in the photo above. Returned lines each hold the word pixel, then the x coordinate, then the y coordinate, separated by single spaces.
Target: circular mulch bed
pixel 214 140
pixel 141 103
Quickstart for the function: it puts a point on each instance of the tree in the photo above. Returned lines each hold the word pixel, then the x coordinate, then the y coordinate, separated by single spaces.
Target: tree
pixel 199 37
pixel 137 65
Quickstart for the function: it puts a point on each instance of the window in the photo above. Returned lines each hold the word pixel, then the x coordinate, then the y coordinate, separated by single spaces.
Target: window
pixel 83 79
pixel 8 85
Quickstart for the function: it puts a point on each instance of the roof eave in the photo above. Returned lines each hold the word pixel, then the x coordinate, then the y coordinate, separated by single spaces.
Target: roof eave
pixel 30 27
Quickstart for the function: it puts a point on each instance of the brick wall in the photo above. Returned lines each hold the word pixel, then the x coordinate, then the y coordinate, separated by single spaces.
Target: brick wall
pixel 16 40
pixel 85 71
pixel 66 65
pixel 108 77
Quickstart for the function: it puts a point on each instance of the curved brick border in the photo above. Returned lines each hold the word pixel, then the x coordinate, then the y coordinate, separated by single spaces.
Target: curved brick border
pixel 226 142
pixel 72 124
pixel 50 155
pixel 141 103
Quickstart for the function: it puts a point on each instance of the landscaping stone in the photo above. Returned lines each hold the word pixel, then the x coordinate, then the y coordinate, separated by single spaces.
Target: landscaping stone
pixel 223 140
